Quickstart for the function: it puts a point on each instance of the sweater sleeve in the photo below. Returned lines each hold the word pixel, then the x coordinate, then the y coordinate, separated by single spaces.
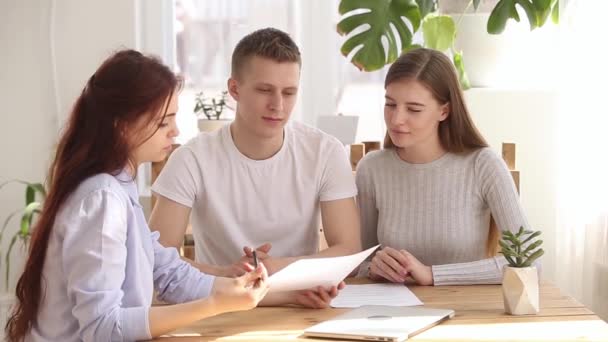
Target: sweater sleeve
pixel 499 192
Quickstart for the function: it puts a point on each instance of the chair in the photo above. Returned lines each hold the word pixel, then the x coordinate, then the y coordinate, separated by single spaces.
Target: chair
pixel 508 155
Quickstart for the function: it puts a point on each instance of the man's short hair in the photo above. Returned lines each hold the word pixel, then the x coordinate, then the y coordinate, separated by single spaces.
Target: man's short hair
pixel 268 43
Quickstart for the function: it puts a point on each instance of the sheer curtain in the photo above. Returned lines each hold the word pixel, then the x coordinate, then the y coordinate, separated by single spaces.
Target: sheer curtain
pixel 582 216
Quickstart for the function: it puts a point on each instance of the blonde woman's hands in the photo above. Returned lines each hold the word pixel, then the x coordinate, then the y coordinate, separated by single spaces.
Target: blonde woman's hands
pixel 421 273
pixel 387 264
pixel 242 293
pixel 396 265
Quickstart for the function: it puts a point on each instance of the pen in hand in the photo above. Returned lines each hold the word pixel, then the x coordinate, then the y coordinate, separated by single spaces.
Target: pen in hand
pixel 255 259
pixel 255 267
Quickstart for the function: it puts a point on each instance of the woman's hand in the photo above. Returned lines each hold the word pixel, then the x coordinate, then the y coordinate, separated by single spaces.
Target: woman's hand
pixel 421 273
pixel 395 266
pixel 388 264
pixel 245 263
pixel 242 293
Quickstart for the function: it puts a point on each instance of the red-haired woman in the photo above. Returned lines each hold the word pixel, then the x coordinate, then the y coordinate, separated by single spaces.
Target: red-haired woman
pixel 93 262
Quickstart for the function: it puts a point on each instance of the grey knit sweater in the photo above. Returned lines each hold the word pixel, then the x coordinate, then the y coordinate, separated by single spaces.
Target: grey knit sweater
pixel 439 211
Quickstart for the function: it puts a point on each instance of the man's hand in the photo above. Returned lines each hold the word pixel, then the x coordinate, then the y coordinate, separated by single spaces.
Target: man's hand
pixel 318 298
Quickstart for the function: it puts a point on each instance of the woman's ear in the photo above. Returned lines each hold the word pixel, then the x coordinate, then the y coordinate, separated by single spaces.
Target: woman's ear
pixel 445 111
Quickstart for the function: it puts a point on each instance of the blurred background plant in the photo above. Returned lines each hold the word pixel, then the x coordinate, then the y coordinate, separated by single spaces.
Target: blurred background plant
pixel 34 198
pixel 211 107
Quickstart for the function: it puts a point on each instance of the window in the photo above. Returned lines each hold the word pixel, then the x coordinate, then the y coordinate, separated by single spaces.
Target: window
pixel 206 32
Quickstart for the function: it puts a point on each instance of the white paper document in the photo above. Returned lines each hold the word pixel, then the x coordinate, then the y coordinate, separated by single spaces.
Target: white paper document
pixel 354 296
pixel 310 273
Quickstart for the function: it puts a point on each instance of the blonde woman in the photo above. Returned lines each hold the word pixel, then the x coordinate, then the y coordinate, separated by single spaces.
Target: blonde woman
pixel 428 195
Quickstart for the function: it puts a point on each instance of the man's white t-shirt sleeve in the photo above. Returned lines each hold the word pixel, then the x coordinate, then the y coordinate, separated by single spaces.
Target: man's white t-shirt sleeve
pixel 337 180
pixel 179 179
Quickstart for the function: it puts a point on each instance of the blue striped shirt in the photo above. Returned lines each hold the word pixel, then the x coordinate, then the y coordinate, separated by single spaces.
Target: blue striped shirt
pixel 102 265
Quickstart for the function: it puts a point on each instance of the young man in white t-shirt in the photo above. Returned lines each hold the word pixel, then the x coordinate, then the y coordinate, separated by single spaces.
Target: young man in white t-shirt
pixel 261 181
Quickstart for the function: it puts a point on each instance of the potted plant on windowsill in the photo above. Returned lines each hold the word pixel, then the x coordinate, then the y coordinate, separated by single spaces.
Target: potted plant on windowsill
pixel 34 196
pixel 209 110
pixel 520 277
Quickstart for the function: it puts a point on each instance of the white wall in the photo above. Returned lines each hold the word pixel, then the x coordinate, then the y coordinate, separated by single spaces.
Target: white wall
pixel 85 33
pixel 49 50
pixel 29 112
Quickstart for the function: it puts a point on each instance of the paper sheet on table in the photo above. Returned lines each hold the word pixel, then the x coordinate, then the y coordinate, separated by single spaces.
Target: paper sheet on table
pixel 310 273
pixel 354 296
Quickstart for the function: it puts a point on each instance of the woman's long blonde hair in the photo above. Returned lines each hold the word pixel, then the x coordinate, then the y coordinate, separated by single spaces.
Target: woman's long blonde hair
pixel 457 133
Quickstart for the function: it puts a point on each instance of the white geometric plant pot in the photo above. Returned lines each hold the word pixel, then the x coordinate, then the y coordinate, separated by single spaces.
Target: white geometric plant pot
pixel 520 290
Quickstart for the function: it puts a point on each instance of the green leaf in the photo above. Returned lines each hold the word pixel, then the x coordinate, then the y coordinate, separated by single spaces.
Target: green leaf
pixel 6 222
pixel 438 31
pixel 543 10
pixel 511 261
pixel 462 73
pixel 499 16
pixel 30 194
pixel 555 12
pixel 476 4
pixel 509 252
pixel 531 13
pixel 26 219
pixel 382 14
pixel 532 246
pixel 513 240
pixel 38 188
pixel 427 6
pixel 531 237
pixel 8 260
pixel 507 233
pixel 533 257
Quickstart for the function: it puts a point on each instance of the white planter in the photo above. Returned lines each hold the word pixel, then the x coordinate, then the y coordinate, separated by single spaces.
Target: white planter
pixel 520 290
pixel 206 125
pixel 517 58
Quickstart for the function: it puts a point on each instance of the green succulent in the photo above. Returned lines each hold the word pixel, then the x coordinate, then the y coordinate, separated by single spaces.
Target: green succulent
pixel 519 248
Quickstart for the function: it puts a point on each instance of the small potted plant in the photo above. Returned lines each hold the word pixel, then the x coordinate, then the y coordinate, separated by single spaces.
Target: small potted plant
pixel 209 110
pixel 520 277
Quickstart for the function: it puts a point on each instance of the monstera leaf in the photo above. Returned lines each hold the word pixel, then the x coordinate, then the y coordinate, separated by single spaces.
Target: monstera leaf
pixel 537 12
pixel 426 7
pixel 380 15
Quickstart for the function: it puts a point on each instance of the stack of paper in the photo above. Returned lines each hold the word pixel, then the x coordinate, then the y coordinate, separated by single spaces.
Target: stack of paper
pixel 354 296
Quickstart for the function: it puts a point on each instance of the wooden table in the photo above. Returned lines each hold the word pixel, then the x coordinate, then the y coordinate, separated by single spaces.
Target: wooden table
pixel 479 317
